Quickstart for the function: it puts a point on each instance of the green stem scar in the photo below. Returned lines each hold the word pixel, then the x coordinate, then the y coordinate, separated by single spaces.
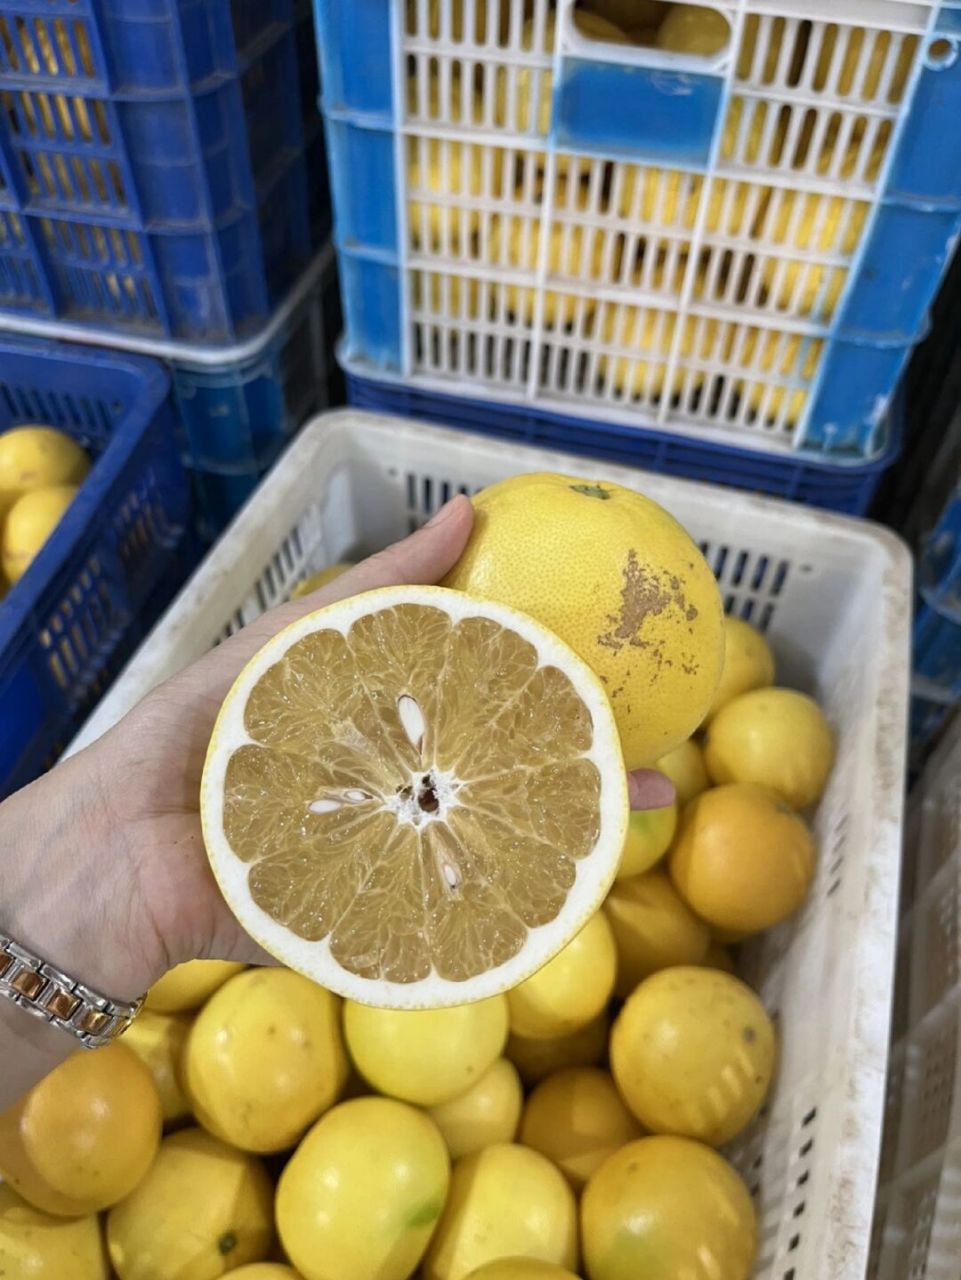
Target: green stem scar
pixel 591 491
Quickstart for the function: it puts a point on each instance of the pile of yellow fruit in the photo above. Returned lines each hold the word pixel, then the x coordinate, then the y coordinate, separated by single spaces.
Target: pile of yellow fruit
pixel 803 239
pixel 40 473
pixel 568 1127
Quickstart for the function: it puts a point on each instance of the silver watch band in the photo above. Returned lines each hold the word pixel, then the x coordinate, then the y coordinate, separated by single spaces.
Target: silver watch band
pixel 39 988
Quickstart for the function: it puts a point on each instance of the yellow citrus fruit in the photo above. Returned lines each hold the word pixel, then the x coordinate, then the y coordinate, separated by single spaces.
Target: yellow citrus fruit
pixel 596 27
pixel 488 1112
pixel 202 1210
pixel 667 1207
pixel 188 985
pixel 577 1119
pixel 826 226
pixel 653 928
pixel 34 457
pixel 692 1053
pixel 685 768
pixel 461 174
pixel 571 990
pixel 573 252
pixel 778 738
pixel 649 332
pixel 505 1201
pixel 414 798
pixel 426 1056
pixel 158 1041
pixel 627 14
pixel 85 1135
pixel 773 362
pixel 645 616
pixel 743 859
pixel 537 1058
pixel 521 1269
pixel 748 663
pixel 318 580
pixel 693 28
pixel 362 1194
pixel 265 1271
pixel 498 16
pixel 29 523
pixel 264 1059
pixel 39 1246
pixel 649 836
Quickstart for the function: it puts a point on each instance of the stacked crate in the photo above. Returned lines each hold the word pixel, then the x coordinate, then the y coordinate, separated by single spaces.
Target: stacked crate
pixel 684 247
pixel 164 202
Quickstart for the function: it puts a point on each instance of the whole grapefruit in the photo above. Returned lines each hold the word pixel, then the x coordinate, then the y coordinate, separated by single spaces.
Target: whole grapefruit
pixel 619 579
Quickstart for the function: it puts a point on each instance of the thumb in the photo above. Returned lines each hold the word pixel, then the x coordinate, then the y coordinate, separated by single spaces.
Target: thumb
pixel 649 789
pixel 424 557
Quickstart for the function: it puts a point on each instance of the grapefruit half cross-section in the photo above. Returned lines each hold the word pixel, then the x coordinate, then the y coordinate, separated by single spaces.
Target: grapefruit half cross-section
pixel 414 797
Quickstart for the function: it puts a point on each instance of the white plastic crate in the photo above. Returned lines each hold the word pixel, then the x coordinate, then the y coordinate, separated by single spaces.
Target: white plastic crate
pixel 917 1227
pixel 637 235
pixel 833 595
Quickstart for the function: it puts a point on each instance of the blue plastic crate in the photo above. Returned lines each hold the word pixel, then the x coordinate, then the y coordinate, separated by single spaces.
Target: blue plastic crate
pixel 154 164
pixel 936 644
pixel 845 487
pixel 114 561
pixel 939 569
pixel 927 718
pixel 737 249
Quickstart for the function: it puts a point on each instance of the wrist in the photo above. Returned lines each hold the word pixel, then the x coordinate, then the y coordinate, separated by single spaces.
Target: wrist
pixel 68 891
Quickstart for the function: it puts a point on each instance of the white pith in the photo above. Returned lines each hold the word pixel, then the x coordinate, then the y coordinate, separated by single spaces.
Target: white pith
pixel 593 873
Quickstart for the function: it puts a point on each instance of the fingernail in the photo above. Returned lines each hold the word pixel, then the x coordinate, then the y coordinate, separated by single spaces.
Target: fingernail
pixel 440 516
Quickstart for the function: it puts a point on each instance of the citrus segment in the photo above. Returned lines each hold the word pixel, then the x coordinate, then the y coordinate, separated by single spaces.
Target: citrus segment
pixel 414 798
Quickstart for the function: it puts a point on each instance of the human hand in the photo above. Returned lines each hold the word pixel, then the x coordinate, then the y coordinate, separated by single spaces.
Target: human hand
pixel 113 834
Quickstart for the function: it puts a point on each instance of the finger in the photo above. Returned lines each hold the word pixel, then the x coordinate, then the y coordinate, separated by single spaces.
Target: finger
pixel 423 557
pixel 649 789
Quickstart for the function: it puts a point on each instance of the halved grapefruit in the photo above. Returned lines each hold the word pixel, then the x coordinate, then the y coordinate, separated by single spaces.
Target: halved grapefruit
pixel 414 797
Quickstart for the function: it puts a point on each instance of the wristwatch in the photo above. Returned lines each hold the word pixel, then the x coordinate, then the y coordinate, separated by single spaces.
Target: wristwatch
pixel 41 989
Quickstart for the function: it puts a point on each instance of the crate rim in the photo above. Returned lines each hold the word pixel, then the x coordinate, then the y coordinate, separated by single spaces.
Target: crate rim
pixel 179 353
pixel 23 596
pixel 627 425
